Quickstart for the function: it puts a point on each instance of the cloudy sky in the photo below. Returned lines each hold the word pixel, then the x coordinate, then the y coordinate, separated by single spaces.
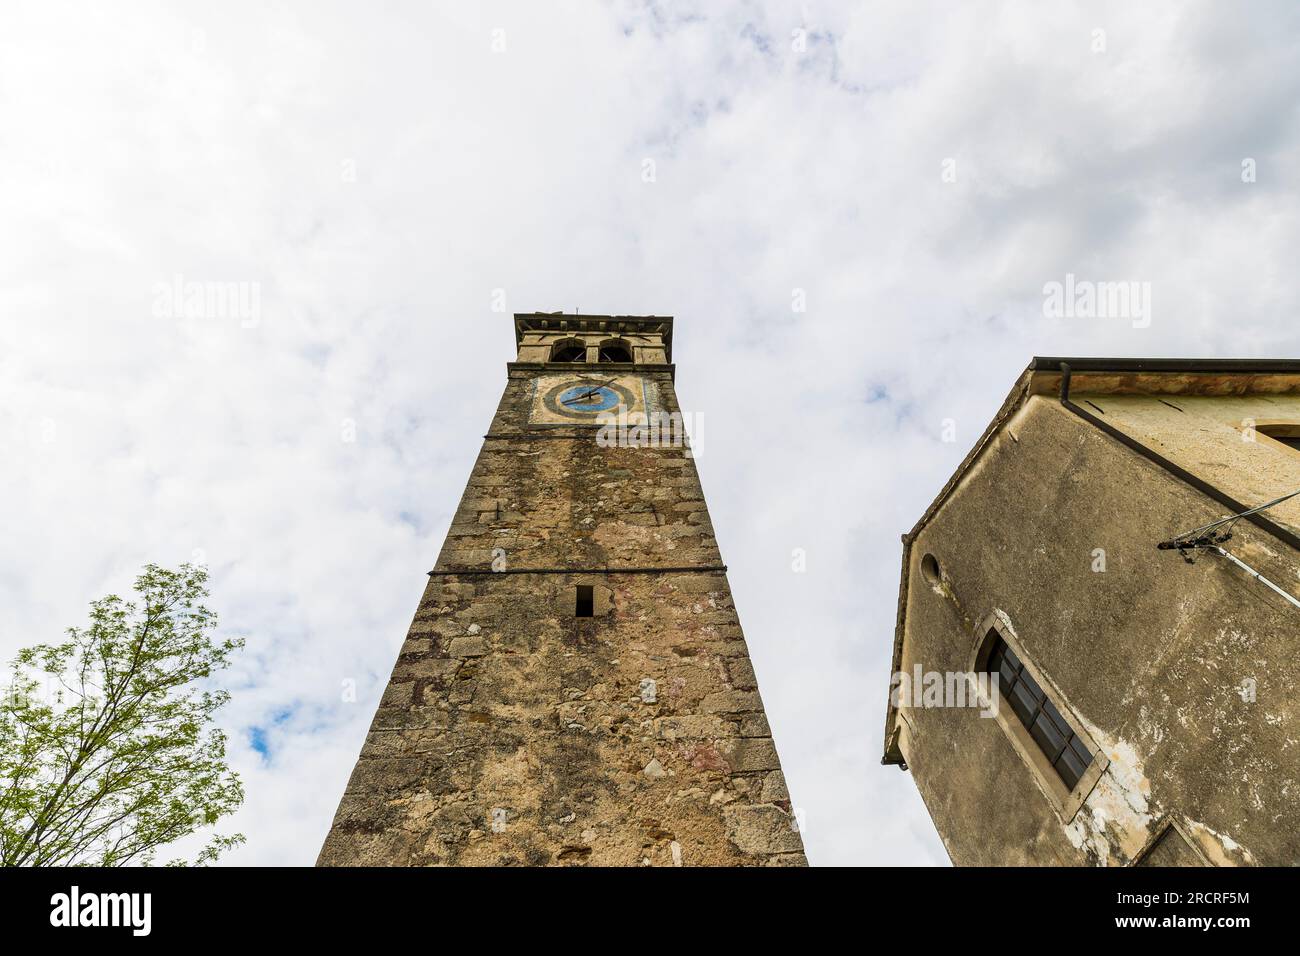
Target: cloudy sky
pixel 852 211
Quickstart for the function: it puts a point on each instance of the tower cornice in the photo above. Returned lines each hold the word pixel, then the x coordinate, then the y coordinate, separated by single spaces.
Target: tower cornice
pixel 611 325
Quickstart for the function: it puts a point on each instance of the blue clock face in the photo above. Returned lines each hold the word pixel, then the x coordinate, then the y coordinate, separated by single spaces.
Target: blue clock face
pixel 584 398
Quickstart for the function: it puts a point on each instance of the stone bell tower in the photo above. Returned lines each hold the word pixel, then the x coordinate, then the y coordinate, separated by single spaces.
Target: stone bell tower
pixel 575 688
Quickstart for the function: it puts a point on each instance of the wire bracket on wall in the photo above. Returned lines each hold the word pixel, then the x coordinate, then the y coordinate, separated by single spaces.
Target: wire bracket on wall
pixel 1187 546
pixel 1210 536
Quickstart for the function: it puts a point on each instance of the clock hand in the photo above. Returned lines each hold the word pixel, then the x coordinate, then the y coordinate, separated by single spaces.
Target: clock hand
pixel 587 394
pixel 597 388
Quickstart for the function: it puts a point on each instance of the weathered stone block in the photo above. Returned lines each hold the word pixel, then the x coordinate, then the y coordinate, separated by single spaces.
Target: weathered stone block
pixel 774 788
pixel 747 754
pixel 731 702
pixel 755 725
pixel 691 727
pixel 435 669
pixel 741 672
pixel 398 695
pixel 761 829
pixel 467 646
pixel 384 774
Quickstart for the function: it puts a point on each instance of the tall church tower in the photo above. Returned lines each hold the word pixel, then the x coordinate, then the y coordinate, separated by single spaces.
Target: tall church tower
pixel 575 687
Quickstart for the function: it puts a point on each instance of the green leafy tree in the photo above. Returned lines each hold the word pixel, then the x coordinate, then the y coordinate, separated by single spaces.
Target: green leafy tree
pixel 107 752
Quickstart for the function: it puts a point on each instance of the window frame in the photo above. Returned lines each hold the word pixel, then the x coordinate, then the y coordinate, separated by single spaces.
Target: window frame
pixel 579 604
pixel 1065 801
pixel 1283 429
pixel 621 344
pixel 1159 832
pixel 567 343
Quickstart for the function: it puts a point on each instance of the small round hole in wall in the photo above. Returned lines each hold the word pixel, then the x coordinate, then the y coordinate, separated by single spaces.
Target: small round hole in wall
pixel 930 568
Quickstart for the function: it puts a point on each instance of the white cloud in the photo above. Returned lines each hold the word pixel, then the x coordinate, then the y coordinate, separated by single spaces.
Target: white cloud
pixel 379 173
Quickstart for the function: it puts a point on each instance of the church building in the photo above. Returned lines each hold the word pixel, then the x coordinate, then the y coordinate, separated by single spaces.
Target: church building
pixel 1097 652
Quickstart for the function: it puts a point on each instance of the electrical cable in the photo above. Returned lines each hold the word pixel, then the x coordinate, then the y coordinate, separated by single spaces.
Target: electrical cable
pixel 1204 536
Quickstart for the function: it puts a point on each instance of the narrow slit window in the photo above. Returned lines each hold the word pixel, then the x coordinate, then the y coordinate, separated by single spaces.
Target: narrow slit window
pixel 585 603
pixel 1068 755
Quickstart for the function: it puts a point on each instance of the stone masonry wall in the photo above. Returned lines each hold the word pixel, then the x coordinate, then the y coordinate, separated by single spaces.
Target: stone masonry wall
pixel 513 732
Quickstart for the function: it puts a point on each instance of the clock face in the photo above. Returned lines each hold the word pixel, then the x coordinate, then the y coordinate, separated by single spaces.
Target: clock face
pixel 585 398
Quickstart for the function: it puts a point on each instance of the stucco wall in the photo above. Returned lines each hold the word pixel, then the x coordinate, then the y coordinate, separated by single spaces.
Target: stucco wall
pixel 1214 438
pixel 1150 655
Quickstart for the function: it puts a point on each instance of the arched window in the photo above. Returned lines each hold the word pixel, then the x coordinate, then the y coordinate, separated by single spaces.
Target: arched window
pixel 615 350
pixel 569 350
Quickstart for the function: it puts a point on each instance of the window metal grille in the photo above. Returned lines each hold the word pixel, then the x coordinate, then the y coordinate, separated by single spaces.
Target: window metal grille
pixel 1068 755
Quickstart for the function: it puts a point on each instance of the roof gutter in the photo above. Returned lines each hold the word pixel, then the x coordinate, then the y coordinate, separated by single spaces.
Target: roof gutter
pixel 1216 366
